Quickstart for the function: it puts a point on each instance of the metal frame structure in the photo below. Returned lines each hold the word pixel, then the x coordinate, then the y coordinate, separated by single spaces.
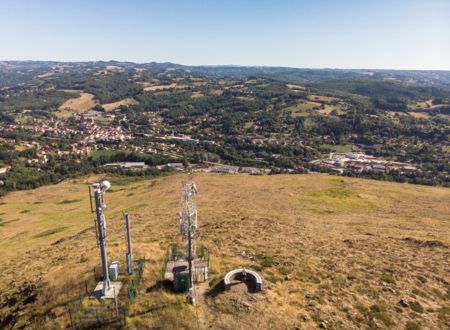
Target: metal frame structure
pixel 188 227
pixel 99 190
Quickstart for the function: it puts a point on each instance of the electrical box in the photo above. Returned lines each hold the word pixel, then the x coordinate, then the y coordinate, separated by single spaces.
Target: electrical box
pixel 114 270
pixel 181 281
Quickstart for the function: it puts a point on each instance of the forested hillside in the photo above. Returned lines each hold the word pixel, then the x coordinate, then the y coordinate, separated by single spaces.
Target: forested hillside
pixel 57 117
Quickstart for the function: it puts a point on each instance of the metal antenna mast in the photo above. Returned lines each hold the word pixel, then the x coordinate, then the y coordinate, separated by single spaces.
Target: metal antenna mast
pixel 100 206
pixel 129 257
pixel 188 226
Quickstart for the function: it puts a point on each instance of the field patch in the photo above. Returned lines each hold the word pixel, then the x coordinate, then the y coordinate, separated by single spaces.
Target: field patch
pixel 116 105
pixel 164 87
pixel 293 86
pixel 96 154
pixel 301 108
pixel 426 105
pixel 322 98
pixel 305 108
pixel 337 199
pixel 82 103
pixel 419 115
pixel 340 148
pixel 216 92
pixel 196 95
pixel 392 114
pixel 337 109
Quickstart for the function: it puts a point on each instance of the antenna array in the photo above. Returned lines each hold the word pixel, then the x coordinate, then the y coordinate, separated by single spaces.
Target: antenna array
pixel 188 226
pixel 188 217
pixel 100 206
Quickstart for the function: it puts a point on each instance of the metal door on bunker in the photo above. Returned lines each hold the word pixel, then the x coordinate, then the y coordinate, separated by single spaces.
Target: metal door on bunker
pixel 182 284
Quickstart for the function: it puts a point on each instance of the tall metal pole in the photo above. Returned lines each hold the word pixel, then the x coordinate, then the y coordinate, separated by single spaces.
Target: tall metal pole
pixel 191 282
pixel 101 225
pixel 129 257
pixel 116 303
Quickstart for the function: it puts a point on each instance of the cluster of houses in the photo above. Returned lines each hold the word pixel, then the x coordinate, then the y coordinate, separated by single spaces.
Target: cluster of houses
pixel 53 126
pixel 359 162
pixel 94 136
pixel 91 136
pixel 7 141
pixel 41 158
pixel 5 169
pixel 94 133
pixel 90 130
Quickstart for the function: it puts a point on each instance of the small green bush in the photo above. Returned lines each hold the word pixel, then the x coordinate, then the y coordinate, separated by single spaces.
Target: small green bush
pixel 387 278
pixel 410 325
pixel 416 306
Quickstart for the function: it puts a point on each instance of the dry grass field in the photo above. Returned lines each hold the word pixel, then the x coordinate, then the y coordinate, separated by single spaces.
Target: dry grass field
pixel 164 87
pixel 419 115
pixel 301 109
pixel 306 108
pixel 115 105
pixel 335 253
pixel 216 92
pixel 392 114
pixel 245 98
pixel 292 86
pixel 196 95
pixel 82 103
pixel 424 104
pixel 323 98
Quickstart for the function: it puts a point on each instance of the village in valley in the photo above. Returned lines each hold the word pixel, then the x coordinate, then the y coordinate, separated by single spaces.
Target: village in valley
pixel 359 162
pixel 142 118
pixel 92 137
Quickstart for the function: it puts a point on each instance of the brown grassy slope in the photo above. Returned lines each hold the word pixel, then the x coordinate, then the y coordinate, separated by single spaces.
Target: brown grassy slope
pixel 334 251
pixel 116 105
pixel 79 104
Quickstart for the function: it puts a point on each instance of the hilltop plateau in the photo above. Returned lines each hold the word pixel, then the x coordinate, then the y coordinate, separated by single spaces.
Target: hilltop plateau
pixel 334 252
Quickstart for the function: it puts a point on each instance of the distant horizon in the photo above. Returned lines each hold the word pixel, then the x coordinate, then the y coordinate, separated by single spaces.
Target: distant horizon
pixel 223 65
pixel 395 35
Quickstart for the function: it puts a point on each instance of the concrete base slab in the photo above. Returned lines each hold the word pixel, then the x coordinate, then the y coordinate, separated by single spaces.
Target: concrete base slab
pixel 113 291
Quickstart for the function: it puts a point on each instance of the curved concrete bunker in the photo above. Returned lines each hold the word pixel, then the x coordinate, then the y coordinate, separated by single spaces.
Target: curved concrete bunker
pixel 243 275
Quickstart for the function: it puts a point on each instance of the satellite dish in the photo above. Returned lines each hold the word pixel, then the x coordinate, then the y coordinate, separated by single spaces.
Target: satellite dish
pixel 105 185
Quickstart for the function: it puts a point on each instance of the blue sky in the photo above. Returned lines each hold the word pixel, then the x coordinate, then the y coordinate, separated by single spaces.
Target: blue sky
pixel 398 34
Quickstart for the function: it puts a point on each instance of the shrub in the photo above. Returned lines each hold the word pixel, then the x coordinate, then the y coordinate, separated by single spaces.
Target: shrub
pixel 410 325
